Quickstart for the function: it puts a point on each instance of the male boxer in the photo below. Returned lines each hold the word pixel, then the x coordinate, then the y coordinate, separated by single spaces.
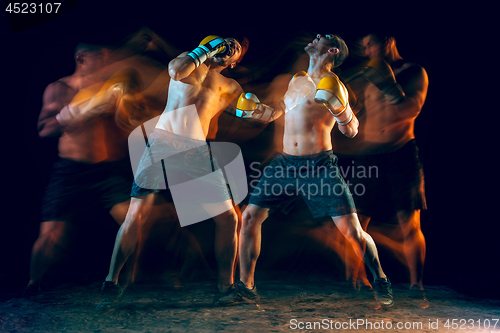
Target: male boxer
pixel 393 91
pixel 93 170
pixel 197 94
pixel 314 102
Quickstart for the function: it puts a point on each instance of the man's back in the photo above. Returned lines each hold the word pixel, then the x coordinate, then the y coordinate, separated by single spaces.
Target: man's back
pixel 206 89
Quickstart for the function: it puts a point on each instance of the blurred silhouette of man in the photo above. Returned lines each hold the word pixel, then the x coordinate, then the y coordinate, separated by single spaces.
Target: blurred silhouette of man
pixel 198 93
pixel 93 171
pixel 393 92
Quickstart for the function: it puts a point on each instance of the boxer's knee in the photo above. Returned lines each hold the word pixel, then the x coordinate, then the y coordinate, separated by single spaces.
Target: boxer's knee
pixel 253 216
pixel 227 220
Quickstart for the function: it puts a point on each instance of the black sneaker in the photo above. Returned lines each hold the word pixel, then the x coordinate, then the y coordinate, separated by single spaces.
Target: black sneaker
pixel 226 296
pixel 418 298
pixel 110 293
pixel 31 290
pixel 239 294
pixel 383 291
pixel 246 294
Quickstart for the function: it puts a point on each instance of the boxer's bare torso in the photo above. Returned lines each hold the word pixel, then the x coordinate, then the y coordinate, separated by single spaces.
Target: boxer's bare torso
pixel 209 91
pixel 385 127
pixel 88 140
pixel 308 125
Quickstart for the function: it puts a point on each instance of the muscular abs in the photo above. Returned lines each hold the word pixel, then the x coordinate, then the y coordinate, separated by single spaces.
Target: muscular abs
pixel 307 128
pixel 385 127
pixel 97 140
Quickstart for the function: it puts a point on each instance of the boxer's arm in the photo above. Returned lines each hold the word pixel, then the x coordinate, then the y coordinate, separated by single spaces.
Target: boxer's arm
pixel 47 125
pixel 132 111
pixel 351 129
pixel 415 92
pixel 381 75
pixel 181 67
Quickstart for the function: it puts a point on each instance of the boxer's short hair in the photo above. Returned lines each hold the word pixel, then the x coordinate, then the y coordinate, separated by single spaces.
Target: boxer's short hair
pixel 338 42
pixel 87 48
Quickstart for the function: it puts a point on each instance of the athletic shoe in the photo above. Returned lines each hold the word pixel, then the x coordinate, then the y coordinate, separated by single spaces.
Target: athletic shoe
pixel 224 294
pixel 110 293
pixel 418 297
pixel 239 294
pixel 249 295
pixel 31 290
pixel 383 291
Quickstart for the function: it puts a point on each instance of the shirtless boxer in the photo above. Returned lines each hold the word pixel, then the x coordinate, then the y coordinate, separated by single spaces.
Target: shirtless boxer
pixel 197 94
pixel 93 169
pixel 314 102
pixel 393 92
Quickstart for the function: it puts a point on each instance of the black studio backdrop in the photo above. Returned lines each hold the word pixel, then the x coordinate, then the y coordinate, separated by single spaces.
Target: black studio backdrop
pixel 36 53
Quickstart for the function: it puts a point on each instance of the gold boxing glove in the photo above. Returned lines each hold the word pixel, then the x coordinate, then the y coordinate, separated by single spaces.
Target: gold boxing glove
pixel 209 47
pixel 334 96
pixel 249 106
pixel 378 72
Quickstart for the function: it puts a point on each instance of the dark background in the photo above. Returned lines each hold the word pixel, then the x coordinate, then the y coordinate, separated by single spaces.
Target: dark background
pixel 459 225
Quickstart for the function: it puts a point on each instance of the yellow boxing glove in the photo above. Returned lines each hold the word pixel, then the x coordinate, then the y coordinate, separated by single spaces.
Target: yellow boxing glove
pixel 97 99
pixel 209 47
pixel 378 72
pixel 249 106
pixel 334 96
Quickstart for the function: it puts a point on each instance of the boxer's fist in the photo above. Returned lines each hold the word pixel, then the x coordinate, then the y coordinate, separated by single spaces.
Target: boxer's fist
pixel 100 103
pixel 95 100
pixel 334 96
pixel 208 48
pixel 249 106
pixel 378 72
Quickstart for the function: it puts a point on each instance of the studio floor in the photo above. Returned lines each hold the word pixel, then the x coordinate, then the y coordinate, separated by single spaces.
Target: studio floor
pixel 306 305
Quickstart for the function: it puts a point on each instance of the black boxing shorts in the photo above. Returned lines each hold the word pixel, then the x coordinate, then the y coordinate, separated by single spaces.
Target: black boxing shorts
pixel 75 188
pixel 384 183
pixel 315 178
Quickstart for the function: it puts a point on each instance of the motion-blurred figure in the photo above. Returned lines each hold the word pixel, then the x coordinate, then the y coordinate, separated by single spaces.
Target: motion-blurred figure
pixel 393 92
pixel 147 44
pixel 197 95
pixel 149 55
pixel 87 110
pixel 307 168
